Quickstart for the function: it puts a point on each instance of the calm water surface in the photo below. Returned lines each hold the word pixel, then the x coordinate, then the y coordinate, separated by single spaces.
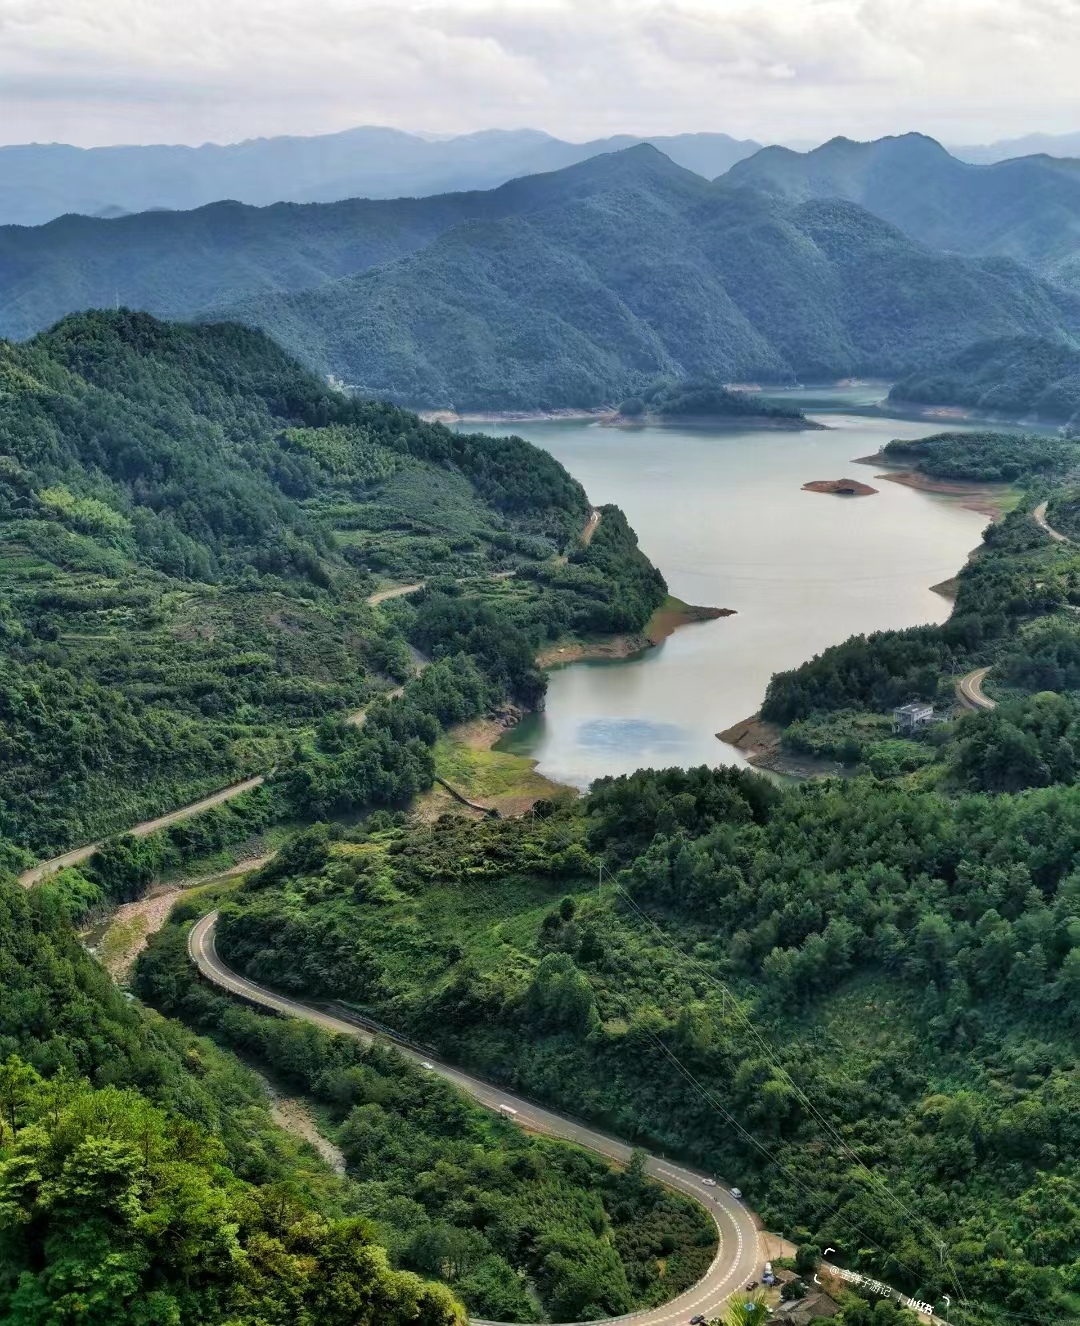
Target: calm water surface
pixel 723 516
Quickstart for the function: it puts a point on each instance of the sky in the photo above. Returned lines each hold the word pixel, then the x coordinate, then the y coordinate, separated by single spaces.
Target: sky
pixel 93 72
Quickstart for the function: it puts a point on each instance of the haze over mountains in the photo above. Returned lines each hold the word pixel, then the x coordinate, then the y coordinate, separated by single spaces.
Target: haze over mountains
pixel 41 181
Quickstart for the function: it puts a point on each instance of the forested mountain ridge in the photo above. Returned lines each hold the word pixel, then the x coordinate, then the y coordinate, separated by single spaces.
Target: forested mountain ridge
pixel 1026 208
pixel 177 264
pixel 580 303
pixel 573 288
pixel 190 525
pixel 1020 377
pixel 41 181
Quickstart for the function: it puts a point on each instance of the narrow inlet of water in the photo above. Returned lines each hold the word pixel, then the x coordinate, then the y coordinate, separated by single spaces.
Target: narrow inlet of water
pixel 723 515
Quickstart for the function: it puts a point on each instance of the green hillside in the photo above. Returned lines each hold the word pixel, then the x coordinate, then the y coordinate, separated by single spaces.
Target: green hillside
pixel 580 303
pixel 1027 208
pixel 190 526
pixel 176 264
pixel 855 998
pixel 573 288
pixel 986 456
pixel 142 1178
pixel 909 963
pixel 1024 377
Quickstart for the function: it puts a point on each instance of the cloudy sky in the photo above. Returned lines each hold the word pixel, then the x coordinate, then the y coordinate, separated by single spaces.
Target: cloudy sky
pixel 107 71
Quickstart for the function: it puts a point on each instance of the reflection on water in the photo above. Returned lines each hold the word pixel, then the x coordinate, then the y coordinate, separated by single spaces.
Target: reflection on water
pixel 724 516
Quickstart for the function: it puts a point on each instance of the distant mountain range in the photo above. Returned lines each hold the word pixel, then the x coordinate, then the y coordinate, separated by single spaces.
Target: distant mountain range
pixel 628 265
pixel 41 181
pixel 1051 145
pixel 1027 209
pixel 574 287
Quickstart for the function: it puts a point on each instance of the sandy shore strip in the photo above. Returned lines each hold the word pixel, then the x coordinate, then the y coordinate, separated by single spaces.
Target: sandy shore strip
pixel 515 416
pixel 988 499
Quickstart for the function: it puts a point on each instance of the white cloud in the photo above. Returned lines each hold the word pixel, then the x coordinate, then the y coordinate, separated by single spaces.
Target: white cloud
pixel 153 70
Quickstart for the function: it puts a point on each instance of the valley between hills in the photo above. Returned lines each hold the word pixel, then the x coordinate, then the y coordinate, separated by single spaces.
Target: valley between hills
pixel 385 935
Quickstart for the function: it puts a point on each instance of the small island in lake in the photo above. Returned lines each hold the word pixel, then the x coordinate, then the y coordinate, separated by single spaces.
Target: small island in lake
pixel 844 487
pixel 703 403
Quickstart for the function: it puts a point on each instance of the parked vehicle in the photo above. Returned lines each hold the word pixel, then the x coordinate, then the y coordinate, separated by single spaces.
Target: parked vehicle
pixel 737 1194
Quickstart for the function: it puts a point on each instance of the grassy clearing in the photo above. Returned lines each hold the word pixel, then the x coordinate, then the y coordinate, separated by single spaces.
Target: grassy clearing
pixel 508 782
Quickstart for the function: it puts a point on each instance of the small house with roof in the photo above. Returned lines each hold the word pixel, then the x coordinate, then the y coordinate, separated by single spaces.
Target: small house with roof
pixel 908 718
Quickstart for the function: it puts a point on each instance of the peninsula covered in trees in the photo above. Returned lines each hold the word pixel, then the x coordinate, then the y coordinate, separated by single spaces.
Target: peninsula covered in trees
pixel 1026 377
pixel 708 402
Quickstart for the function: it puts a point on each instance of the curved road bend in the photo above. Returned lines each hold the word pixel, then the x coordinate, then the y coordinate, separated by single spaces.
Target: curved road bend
pixel 969 688
pixel 1039 516
pixel 970 692
pixel 738 1258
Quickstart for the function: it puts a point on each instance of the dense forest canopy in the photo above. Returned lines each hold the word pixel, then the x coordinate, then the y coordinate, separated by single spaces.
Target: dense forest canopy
pixel 1029 377
pixel 572 288
pixel 908 958
pixel 986 457
pixel 142 1179
pixel 190 525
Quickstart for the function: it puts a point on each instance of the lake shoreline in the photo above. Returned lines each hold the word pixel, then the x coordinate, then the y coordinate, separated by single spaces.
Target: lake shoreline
pixel 609 417
pixel 988 499
pixel 723 516
pixel 672 614
pixel 714 422
pixel 761 743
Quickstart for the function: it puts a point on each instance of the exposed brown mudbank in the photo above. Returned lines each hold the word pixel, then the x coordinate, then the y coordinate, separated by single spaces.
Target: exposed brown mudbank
pixel 988 499
pixel 753 736
pixel 668 618
pixel 842 487
pixel 947 588
pixel 610 647
pixel 673 613
pixel 760 742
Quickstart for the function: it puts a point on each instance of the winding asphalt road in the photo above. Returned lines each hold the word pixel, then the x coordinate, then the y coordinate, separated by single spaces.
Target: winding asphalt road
pixel 969 688
pixel 970 691
pixel 1039 516
pixel 738 1257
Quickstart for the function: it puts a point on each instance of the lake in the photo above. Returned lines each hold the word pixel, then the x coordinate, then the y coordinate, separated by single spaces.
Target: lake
pixel 722 514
